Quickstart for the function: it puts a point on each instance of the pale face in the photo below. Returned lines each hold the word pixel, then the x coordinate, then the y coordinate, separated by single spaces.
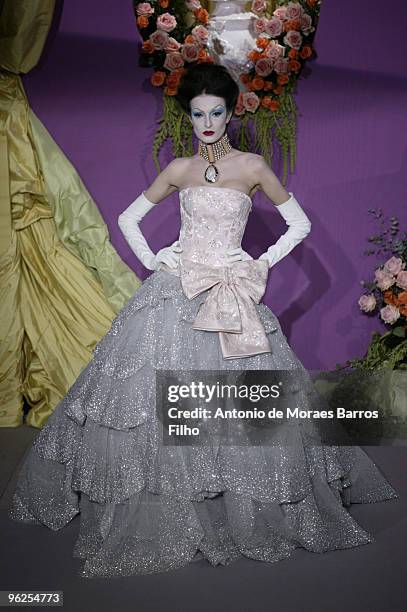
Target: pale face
pixel 209 117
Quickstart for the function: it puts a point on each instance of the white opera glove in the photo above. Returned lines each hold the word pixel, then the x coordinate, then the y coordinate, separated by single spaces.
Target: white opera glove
pixel 128 222
pixel 299 226
pixel 237 254
pixel 171 254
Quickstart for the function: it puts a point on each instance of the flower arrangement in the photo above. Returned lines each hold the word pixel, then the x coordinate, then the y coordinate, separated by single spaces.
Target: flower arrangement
pixel 283 45
pixel 175 35
pixel 386 297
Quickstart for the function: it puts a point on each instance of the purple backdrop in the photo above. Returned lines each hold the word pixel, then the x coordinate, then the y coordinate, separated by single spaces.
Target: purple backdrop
pixel 99 106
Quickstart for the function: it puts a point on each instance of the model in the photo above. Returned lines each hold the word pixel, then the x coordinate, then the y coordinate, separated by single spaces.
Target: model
pixel 146 506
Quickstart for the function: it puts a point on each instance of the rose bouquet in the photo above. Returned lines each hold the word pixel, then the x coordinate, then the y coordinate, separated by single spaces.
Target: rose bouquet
pixel 386 297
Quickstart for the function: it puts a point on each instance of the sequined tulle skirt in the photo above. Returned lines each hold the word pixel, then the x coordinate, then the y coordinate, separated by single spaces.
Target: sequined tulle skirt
pixel 146 507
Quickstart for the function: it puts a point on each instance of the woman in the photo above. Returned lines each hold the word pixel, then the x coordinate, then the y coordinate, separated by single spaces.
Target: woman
pixel 146 506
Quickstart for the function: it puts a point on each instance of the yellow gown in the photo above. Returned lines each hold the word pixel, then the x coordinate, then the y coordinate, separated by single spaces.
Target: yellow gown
pixel 61 281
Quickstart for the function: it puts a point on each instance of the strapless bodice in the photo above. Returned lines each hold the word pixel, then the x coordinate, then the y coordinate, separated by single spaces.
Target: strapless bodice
pixel 213 220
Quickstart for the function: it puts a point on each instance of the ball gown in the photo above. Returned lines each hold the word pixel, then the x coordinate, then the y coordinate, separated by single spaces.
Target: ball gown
pixel 147 507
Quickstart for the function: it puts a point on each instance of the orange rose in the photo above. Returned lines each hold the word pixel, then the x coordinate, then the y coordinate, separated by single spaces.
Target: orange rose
pixel 244 78
pixel 172 80
pixel 282 79
pixel 163 3
pixel 294 24
pixel 265 101
pixel 262 42
pixel 312 3
pixel 274 105
pixel 202 59
pixel 142 21
pixel 402 303
pixel 294 66
pixel 180 71
pixel 402 298
pixel 306 52
pixel 190 40
pixel 158 78
pixel 390 297
pixel 278 90
pixel 254 55
pixel 170 91
pixel 293 53
pixel 257 83
pixel 268 86
pixel 147 47
pixel 202 15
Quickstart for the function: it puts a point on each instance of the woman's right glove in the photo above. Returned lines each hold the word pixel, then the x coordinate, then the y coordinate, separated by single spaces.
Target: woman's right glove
pixel 128 222
pixel 299 226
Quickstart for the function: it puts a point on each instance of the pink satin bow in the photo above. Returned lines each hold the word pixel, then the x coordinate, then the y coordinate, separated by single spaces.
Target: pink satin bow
pixel 229 307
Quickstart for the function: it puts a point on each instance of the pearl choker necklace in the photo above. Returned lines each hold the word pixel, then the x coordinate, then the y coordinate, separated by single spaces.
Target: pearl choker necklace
pixel 212 152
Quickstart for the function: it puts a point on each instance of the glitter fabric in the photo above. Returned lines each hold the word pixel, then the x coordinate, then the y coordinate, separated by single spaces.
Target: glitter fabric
pixel 145 507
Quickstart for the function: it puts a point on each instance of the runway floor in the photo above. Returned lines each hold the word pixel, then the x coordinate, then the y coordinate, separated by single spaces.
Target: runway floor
pixel 370 577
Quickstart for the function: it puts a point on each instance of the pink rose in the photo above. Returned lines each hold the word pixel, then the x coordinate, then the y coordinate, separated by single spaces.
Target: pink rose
pixel 294 10
pixel 239 108
pixel 250 101
pixel 200 33
pixel 158 39
pixel 273 51
pixel 193 5
pixel 173 61
pixel 401 280
pixel 306 23
pixel 259 6
pixel 367 303
pixel 144 8
pixel 190 52
pixel 389 314
pixel 166 22
pixel 293 39
pixel 171 45
pixel 260 25
pixel 394 265
pixel 281 13
pixel 384 279
pixel 281 65
pixel 264 66
pixel 274 27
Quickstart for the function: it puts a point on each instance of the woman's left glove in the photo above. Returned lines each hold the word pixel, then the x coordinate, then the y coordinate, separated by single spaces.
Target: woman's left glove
pixel 237 254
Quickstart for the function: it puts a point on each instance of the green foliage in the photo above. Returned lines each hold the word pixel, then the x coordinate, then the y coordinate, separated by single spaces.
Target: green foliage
pixel 267 126
pixel 386 351
pixel 173 125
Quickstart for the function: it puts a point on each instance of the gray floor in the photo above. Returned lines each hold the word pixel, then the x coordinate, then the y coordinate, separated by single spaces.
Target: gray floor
pixel 370 577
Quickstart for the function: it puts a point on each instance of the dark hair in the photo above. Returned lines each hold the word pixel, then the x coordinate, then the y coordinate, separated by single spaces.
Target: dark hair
pixel 211 79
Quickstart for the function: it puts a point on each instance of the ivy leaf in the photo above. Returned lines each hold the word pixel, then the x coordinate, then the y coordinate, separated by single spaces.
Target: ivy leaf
pixel 399 331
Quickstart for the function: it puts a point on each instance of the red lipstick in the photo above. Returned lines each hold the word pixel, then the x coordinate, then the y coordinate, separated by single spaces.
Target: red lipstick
pixel 208 132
